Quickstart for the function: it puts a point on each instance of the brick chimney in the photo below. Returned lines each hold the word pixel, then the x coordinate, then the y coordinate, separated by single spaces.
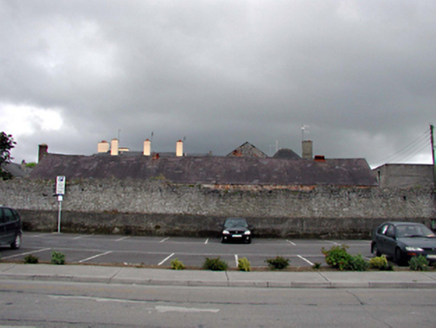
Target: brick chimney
pixel 43 148
pixel 147 147
pixel 307 149
pixel 179 148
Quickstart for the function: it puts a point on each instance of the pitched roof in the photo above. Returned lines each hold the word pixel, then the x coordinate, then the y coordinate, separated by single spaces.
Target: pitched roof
pixel 209 170
pixel 286 153
pixel 247 150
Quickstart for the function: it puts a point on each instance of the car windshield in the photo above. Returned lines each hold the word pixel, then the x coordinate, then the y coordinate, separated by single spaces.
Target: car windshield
pixel 412 231
pixel 232 223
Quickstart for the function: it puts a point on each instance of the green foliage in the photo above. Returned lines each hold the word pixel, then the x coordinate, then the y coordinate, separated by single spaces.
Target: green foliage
pixel 316 266
pixel 57 258
pixel 215 264
pixel 244 264
pixel 31 259
pixel 358 263
pixel 7 143
pixel 381 263
pixel 31 165
pixel 176 264
pixel 338 257
pixel 278 263
pixel 419 263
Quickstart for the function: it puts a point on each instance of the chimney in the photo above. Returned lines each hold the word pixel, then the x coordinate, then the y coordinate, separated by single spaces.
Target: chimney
pixel 147 147
pixel 42 151
pixel 114 147
pixel 179 148
pixel 103 147
pixel 307 149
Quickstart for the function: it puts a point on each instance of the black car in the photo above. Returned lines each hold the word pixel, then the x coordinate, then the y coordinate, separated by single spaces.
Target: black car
pixel 236 229
pixel 403 240
pixel 10 227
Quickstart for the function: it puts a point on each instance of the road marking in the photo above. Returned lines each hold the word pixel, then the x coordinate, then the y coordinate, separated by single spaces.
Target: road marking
pixel 207 240
pixel 166 259
pixel 236 260
pixel 27 253
pixel 165 239
pixel 95 256
pixel 122 238
pixel 305 260
pixel 79 237
pixel 290 242
pixel 163 309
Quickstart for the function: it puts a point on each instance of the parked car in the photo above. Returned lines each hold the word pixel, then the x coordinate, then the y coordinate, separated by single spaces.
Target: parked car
pixel 236 229
pixel 403 240
pixel 10 227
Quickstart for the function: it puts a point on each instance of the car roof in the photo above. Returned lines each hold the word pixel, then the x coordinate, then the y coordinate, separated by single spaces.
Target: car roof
pixel 398 223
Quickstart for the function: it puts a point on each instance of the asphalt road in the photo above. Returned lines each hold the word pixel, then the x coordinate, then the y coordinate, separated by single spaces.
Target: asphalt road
pixel 159 251
pixel 66 304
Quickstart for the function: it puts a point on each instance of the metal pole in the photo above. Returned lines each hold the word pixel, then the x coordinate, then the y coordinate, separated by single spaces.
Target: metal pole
pixel 59 216
pixel 433 153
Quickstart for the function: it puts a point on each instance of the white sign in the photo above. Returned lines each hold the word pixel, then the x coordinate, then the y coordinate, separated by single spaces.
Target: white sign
pixel 60 185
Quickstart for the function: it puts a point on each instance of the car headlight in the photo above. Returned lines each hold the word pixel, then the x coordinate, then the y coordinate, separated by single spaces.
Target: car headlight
pixel 413 249
pixel 225 232
pixel 247 233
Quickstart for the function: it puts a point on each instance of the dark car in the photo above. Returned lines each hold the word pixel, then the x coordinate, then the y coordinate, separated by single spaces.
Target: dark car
pixel 236 229
pixel 10 227
pixel 403 240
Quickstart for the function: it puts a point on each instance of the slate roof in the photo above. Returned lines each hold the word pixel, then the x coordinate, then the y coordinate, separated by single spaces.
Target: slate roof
pixel 286 153
pixel 15 170
pixel 247 150
pixel 209 170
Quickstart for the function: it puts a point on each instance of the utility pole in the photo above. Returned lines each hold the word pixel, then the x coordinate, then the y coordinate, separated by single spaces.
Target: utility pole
pixel 433 153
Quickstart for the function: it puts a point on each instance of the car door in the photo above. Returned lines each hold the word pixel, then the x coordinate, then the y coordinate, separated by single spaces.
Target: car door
pixel 390 241
pixel 10 225
pixel 380 239
pixel 2 227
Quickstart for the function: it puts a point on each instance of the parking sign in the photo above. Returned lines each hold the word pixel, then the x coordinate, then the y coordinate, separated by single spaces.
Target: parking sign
pixel 60 185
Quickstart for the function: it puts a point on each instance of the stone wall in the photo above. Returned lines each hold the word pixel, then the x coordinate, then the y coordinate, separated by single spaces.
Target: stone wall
pixel 160 208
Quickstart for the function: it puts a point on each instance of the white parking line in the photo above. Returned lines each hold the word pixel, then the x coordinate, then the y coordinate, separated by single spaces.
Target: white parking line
pixel 79 237
pixel 290 242
pixel 305 260
pixel 122 238
pixel 236 260
pixel 207 240
pixel 165 239
pixel 168 257
pixel 27 253
pixel 95 256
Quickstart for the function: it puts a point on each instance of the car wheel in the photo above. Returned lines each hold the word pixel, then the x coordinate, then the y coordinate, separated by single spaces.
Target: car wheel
pixel 222 240
pixel 17 242
pixel 398 258
pixel 375 250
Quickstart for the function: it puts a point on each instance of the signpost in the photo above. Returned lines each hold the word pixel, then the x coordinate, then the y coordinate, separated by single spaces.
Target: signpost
pixel 60 192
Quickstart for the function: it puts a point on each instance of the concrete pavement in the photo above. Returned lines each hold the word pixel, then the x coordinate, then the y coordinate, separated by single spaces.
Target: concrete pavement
pixel 267 279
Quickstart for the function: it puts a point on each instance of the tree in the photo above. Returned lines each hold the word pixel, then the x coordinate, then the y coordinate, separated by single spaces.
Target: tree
pixel 6 144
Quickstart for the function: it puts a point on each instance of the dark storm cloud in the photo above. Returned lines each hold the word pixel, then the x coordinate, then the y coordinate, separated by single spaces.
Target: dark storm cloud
pixel 360 73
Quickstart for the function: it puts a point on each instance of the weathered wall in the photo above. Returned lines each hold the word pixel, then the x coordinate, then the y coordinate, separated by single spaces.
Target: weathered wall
pixel 156 207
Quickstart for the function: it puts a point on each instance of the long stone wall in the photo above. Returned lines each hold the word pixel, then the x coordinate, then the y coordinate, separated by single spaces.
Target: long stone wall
pixel 160 208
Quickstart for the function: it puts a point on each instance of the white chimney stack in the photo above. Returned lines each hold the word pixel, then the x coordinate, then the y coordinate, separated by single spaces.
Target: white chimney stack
pixel 147 147
pixel 103 147
pixel 179 148
pixel 114 147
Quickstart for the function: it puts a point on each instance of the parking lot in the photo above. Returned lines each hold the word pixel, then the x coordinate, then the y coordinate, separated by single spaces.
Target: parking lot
pixel 159 251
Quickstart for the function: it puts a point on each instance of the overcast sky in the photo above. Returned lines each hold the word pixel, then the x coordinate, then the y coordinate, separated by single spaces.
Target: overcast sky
pixel 360 74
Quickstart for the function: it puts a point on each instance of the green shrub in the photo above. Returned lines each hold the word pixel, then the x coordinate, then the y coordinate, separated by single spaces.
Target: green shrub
pixel 381 263
pixel 57 258
pixel 278 263
pixel 338 257
pixel 215 264
pixel 31 259
pixel 316 266
pixel 419 263
pixel 358 263
pixel 244 264
pixel 177 265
